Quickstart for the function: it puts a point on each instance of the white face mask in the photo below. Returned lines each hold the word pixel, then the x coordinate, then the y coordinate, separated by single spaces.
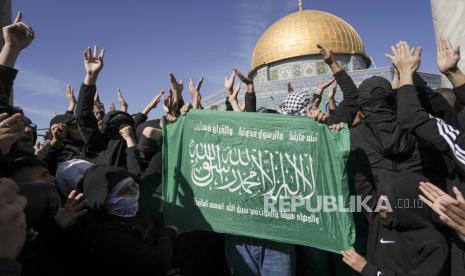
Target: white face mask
pixel 122 206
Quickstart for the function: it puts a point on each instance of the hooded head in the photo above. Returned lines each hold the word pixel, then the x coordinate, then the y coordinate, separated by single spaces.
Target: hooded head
pixel 377 102
pixel 70 173
pixel 150 123
pixel 113 121
pixel 111 189
pixel 62 119
pixel 72 129
pixel 295 103
pixel 375 96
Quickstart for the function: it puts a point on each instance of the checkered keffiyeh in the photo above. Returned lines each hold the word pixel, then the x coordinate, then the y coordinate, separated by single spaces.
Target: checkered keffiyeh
pixel 296 102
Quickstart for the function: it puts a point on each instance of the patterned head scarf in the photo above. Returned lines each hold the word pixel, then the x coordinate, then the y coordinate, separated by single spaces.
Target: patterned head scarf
pixel 296 102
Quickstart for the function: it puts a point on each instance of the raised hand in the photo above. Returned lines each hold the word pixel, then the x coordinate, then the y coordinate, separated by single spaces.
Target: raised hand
pixel 11 130
pixel 59 133
pixel 454 211
pixel 122 102
pixel 229 83
pixel 451 211
pixel 328 56
pixel 326 53
pixel 98 106
pixel 332 91
pixel 74 208
pixel 112 107
pixel 195 93
pixel 448 56
pixel 70 98
pixel 17 36
pixel 246 80
pixel 356 261
pixel 153 103
pixel 243 78
pixel 127 132
pixel 323 85
pixel 93 63
pixel 185 108
pixel 406 60
pixel 176 89
pixel 233 98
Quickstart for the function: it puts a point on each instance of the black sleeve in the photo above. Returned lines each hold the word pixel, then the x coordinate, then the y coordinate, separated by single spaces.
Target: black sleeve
pixel 9 267
pixel 154 168
pixel 250 102
pixel 139 118
pixel 433 103
pixel 133 161
pixel 348 108
pixel 228 105
pixel 444 137
pixel 88 125
pixel 460 95
pixel 49 155
pixel 7 77
pixel 67 112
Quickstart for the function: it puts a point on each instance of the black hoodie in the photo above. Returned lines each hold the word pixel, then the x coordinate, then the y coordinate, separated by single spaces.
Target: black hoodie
pixel 404 242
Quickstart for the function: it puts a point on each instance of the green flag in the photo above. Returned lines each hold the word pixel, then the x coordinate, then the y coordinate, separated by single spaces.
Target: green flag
pixel 267 176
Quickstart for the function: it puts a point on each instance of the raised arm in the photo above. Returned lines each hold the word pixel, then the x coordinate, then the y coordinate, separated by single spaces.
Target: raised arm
pixel 348 108
pixel 232 91
pixel 17 36
pixel 122 102
pixel 412 116
pixel 153 103
pixel 448 57
pixel 316 100
pixel 194 90
pixel 71 99
pixel 332 106
pixel 88 126
pixel 250 97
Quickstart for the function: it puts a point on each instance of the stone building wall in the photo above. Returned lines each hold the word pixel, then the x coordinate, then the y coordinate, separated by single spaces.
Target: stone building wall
pixel 271 94
pixel 304 67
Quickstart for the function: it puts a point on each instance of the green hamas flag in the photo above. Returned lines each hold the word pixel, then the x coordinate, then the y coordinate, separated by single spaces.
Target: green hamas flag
pixel 267 176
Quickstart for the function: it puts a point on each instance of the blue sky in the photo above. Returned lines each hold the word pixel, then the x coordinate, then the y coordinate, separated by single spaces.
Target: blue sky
pixel 146 39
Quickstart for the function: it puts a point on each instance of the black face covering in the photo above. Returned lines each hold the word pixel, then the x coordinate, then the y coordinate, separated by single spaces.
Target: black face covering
pixel 377 101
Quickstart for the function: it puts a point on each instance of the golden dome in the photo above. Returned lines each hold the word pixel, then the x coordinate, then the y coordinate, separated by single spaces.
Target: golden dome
pixel 298 33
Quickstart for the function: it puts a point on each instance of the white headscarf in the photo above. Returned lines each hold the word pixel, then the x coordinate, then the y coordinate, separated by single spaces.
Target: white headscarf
pixel 122 206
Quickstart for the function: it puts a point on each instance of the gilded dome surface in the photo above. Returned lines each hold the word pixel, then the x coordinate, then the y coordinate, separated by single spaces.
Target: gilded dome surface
pixel 298 33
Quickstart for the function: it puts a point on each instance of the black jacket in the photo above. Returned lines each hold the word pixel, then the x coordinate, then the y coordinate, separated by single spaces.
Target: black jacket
pixel 118 246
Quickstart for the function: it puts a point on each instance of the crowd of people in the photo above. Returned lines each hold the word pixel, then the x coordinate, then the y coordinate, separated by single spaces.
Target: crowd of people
pixel 87 199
